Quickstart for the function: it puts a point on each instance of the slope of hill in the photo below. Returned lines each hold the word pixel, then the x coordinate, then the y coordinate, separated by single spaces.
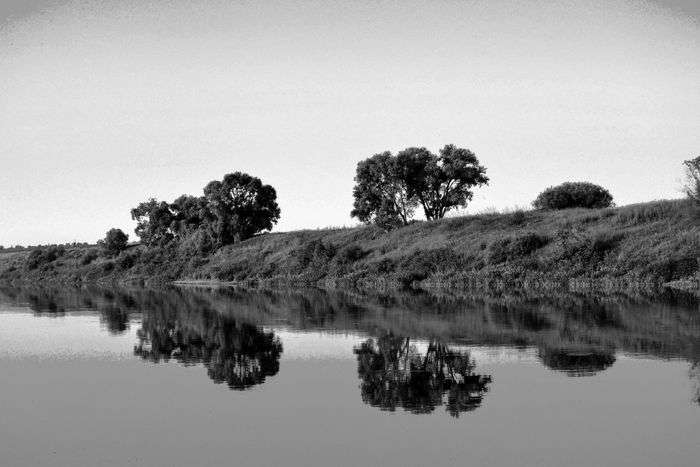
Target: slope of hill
pixel 636 247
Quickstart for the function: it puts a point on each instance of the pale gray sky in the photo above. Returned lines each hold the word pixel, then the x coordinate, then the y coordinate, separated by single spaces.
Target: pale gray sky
pixel 107 103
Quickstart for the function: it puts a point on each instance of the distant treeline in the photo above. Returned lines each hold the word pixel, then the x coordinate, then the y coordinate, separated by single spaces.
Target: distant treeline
pixel 10 249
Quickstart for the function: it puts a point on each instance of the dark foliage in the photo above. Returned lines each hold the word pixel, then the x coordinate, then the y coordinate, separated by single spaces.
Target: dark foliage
pixel 115 242
pixel 382 193
pixel 241 207
pixel 233 209
pixel 576 362
pixel 574 195
pixel 153 222
pixel 42 256
pixel 89 256
pixel 388 188
pixel 394 375
pixel 510 248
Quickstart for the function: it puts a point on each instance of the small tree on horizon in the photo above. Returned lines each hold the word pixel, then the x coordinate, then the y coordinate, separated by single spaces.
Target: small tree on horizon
pixel 115 242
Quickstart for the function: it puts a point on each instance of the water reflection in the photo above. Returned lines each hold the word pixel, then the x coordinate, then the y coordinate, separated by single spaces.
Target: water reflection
pixel 394 373
pixel 576 362
pixel 231 333
pixel 238 354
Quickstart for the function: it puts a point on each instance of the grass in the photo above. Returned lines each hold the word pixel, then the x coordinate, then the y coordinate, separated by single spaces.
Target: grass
pixel 638 246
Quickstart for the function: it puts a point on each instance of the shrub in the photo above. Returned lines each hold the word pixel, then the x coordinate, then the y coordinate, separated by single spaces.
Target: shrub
pixel 422 263
pixel 314 252
pixel 510 248
pixel 127 260
pixel 350 253
pixel 518 217
pixel 41 256
pixel 115 242
pixel 89 256
pixel 573 195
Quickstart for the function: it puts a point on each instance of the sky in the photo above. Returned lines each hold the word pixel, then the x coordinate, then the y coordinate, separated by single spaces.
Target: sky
pixel 104 104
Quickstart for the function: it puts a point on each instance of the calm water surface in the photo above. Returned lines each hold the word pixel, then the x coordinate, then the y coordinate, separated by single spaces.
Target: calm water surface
pixel 221 377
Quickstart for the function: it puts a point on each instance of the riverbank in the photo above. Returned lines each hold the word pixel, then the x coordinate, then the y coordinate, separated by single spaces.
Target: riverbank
pixel 630 248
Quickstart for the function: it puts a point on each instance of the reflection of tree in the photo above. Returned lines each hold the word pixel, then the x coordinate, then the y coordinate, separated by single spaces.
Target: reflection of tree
pixel 394 374
pixel 576 362
pixel 242 355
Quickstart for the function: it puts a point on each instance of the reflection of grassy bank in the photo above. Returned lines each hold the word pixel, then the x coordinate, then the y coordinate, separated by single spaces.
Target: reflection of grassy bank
pixel 578 324
pixel 632 247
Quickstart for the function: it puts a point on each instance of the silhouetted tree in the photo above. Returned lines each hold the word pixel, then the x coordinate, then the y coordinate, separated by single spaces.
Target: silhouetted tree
pixel 115 242
pixel 574 195
pixel 692 172
pixel 389 188
pixel 381 192
pixel 241 206
pixel 443 182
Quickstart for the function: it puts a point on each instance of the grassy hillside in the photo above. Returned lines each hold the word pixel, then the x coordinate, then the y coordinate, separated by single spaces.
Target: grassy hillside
pixel 615 249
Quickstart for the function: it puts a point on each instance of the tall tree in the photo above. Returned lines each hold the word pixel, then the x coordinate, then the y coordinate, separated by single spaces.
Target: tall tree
pixel 154 222
pixel 444 182
pixel 381 192
pixel 389 188
pixel 241 206
pixel 190 213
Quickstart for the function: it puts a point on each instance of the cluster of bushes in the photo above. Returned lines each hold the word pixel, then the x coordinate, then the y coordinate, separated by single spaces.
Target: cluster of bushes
pixel 233 209
pixel 42 256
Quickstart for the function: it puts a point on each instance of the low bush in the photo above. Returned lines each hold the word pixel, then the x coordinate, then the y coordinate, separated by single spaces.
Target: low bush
pixel 574 195
pixel 350 253
pixel 41 256
pixel 510 248
pixel 89 256
pixel 314 252
pixel 127 260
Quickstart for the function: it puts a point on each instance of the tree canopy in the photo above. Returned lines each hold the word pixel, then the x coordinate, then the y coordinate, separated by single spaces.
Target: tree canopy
pixel 388 188
pixel 115 242
pixel 241 206
pixel 233 209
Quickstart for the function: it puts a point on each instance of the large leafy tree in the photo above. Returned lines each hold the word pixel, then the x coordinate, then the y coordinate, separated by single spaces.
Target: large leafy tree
pixel 382 193
pixel 241 206
pixel 190 213
pixel 154 222
pixel 389 188
pixel 446 181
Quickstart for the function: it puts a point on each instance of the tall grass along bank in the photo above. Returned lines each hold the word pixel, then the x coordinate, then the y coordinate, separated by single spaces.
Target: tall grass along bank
pixel 638 247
